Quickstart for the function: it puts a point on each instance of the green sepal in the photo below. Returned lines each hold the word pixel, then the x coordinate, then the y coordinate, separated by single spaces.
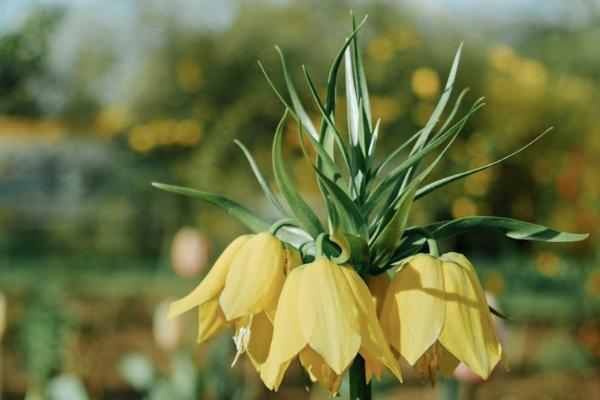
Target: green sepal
pixel 236 210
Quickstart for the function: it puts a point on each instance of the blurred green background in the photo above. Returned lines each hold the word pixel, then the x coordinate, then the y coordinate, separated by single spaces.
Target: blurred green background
pixel 100 98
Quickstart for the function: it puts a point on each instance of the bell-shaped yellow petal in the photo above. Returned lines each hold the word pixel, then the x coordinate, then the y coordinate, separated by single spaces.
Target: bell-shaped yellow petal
pixel 328 314
pixel 255 278
pixel 319 371
pixel 378 286
pixel 211 320
pixel 293 260
pixel 288 338
pixel 468 331
pixel 416 295
pixel 261 331
pixel 374 346
pixel 213 282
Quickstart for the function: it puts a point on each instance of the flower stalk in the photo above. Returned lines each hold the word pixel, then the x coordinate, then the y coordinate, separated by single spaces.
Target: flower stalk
pixel 359 388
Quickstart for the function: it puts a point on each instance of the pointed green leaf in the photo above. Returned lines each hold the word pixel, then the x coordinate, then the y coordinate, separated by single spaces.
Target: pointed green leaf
pixel 397 172
pixel 298 107
pixel 361 80
pixel 327 120
pixel 325 131
pixel 241 213
pixel 351 100
pixel 444 181
pixel 351 219
pixel 304 214
pixel 387 242
pixel 514 229
pixel 261 179
pixel 441 105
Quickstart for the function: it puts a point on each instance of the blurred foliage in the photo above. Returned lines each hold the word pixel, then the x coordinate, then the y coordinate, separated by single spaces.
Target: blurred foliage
pixel 43 336
pixel 92 109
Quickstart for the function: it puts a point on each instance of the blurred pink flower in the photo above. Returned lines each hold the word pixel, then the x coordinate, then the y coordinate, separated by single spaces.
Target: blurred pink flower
pixel 190 252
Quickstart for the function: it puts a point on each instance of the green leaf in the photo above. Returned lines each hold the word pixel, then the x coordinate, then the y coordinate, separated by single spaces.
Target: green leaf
pixel 337 176
pixel 513 228
pixel 325 160
pixel 241 213
pixel 388 240
pixel 439 108
pixel 298 107
pixel 261 179
pixel 411 244
pixel 401 183
pixel 331 88
pixel 398 172
pixel 344 214
pixel 444 181
pixel 304 214
pixel 351 219
pixel 327 120
pixel 353 112
pixel 361 80
pixel 329 167
pixel 397 151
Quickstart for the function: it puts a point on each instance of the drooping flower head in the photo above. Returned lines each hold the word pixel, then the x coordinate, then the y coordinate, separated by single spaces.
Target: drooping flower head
pixel 327 317
pixel 241 291
pixel 435 315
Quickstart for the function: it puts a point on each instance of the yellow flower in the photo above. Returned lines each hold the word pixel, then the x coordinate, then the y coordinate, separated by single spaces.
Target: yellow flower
pixel 378 285
pixel 241 291
pixel 326 315
pixel 435 315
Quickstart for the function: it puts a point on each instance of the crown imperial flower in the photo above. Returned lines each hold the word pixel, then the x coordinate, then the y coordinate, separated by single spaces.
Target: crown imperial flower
pixel 326 316
pixel 241 291
pixel 435 315
pixel 340 312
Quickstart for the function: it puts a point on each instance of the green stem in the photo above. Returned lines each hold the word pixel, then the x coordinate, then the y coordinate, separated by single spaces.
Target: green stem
pixel 280 224
pixel 359 388
pixel 433 247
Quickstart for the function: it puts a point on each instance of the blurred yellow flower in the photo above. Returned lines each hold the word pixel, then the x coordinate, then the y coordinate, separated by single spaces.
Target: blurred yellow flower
pixel 425 83
pixel 592 285
pixel 327 317
pixel 463 207
pixel 548 264
pixel 381 49
pixel 386 108
pixel 141 139
pixel 2 315
pixel 494 283
pixel 189 74
pixel 242 290
pixel 112 119
pixel 435 315
pixel 531 74
pixel 503 58
pixel 187 132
